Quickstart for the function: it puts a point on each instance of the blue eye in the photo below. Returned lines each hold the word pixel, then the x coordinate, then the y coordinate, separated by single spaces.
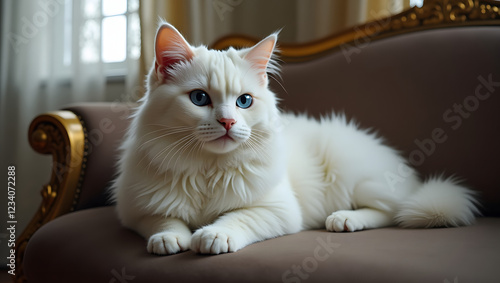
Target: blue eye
pixel 199 98
pixel 244 101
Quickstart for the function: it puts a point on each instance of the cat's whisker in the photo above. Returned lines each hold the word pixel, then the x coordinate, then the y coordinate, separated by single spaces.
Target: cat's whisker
pixel 168 148
pixel 167 128
pixel 163 130
pixel 180 142
pixel 143 144
pixel 261 140
pixel 166 151
pixel 263 137
pixel 251 146
pixel 162 125
pixel 261 131
pixel 262 157
pixel 164 135
pixel 256 146
pixel 196 148
pixel 281 85
pixel 184 147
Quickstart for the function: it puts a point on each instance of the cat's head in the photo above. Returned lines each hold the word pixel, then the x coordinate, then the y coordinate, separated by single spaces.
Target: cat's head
pixel 203 101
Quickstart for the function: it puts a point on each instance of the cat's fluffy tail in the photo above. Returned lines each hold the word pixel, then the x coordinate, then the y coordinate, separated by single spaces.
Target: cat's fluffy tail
pixel 438 203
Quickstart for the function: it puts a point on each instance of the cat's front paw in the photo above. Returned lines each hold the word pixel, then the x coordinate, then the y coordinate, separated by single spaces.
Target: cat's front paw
pixel 214 240
pixel 343 221
pixel 167 243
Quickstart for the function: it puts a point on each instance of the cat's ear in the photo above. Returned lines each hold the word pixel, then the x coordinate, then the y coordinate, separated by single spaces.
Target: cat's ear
pixel 260 56
pixel 170 48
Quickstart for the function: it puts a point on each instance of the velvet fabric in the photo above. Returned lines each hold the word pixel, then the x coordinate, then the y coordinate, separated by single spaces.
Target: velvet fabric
pixel 92 246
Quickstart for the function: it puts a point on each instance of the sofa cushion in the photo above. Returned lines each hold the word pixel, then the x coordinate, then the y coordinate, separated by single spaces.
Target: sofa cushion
pixel 91 246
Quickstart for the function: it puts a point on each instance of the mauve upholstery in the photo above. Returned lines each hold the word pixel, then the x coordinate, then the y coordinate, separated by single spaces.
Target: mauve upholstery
pixel 106 125
pixel 405 87
pixel 97 247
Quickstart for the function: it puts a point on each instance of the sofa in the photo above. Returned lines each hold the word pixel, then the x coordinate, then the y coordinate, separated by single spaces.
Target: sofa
pixel 427 80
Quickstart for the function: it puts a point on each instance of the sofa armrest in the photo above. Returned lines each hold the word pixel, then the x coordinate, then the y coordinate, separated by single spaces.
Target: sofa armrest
pixel 83 140
pixel 60 134
pixel 105 125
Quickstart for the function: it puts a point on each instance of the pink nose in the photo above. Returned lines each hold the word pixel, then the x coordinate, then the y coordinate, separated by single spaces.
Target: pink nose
pixel 227 123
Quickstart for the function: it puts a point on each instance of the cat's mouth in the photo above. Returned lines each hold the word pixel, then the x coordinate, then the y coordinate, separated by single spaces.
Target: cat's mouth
pixel 225 137
pixel 222 144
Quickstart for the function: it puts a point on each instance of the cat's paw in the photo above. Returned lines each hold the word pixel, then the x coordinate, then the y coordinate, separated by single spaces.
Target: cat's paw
pixel 167 243
pixel 343 221
pixel 214 240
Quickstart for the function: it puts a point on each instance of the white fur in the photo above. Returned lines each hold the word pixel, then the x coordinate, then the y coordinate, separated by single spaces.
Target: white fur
pixel 277 174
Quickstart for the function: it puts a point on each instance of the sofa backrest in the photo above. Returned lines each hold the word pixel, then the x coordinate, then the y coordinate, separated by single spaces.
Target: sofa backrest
pixel 433 94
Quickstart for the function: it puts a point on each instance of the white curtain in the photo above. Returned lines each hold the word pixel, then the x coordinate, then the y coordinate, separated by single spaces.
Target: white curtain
pixel 37 75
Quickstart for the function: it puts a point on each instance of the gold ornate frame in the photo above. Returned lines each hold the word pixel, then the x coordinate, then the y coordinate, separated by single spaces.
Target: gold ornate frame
pixel 63 135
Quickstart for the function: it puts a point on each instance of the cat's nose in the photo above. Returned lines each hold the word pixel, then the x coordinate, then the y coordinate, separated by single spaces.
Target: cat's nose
pixel 227 123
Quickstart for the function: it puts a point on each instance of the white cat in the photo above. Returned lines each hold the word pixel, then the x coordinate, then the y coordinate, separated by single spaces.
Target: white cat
pixel 209 152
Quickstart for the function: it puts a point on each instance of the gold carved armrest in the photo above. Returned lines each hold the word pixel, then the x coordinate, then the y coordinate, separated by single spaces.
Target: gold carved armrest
pixel 62 135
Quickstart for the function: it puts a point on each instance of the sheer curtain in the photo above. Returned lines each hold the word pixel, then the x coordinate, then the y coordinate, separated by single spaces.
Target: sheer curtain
pixel 49 59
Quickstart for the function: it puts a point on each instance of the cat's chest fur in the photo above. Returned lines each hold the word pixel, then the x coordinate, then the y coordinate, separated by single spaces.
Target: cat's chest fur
pixel 199 195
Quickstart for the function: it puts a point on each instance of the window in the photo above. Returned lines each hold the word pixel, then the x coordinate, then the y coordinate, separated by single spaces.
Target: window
pixel 417 3
pixel 109 33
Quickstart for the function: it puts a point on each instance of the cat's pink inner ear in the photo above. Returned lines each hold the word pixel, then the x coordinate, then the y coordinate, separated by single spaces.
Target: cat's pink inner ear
pixel 170 48
pixel 260 55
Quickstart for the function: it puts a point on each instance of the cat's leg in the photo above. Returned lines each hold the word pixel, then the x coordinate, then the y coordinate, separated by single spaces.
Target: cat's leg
pixel 376 204
pixel 242 227
pixel 276 215
pixel 360 219
pixel 166 235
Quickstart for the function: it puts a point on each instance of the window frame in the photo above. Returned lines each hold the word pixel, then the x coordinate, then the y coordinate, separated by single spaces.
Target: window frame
pixel 74 18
